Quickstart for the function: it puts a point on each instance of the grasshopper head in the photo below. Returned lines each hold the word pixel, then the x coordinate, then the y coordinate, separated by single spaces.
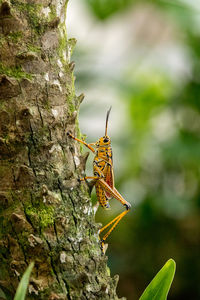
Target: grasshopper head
pixel 103 141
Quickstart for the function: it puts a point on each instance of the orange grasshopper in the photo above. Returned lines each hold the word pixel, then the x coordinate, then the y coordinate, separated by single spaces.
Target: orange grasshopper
pixel 104 178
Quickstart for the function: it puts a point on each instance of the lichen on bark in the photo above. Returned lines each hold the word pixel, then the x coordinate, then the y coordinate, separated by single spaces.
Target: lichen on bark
pixel 46 216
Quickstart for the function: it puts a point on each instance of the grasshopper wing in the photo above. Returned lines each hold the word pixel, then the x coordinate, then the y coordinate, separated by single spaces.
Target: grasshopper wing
pixel 109 179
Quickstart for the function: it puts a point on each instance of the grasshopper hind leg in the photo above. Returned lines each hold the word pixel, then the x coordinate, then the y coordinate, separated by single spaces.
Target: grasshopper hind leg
pixel 115 194
pixel 114 223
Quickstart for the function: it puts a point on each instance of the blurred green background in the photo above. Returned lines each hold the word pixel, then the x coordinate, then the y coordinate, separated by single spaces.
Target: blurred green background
pixel 143 58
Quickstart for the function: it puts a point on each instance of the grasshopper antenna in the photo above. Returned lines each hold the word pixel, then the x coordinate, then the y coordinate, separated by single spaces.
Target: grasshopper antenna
pixel 107 116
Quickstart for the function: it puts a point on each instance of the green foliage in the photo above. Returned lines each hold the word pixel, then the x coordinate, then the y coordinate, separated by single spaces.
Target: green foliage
pixel 103 9
pixel 2 295
pixel 156 154
pixel 22 287
pixel 159 287
pixel 149 93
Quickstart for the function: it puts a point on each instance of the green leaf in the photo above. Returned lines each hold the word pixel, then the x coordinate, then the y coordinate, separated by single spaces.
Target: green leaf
pixel 22 287
pixel 159 287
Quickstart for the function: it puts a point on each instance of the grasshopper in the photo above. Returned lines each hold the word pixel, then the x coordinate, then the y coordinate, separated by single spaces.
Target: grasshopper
pixel 104 177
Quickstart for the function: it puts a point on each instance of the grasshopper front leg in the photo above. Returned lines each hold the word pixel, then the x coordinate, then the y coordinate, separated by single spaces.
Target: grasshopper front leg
pixel 89 146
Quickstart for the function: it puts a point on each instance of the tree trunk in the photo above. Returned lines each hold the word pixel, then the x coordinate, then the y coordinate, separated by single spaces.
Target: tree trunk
pixel 45 213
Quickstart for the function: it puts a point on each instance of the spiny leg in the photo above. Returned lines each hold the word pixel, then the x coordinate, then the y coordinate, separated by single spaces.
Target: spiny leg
pixel 82 142
pixel 115 221
pixel 89 177
pixel 115 195
pixel 114 192
pixel 111 222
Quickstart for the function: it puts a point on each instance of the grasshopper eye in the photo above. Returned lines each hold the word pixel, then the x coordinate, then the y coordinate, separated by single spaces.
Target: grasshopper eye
pixel 106 140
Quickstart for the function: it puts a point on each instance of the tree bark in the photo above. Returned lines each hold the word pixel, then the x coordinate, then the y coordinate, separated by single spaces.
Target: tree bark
pixel 46 215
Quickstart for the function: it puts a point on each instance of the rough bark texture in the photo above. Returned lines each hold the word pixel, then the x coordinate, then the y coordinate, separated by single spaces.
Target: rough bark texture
pixel 45 214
